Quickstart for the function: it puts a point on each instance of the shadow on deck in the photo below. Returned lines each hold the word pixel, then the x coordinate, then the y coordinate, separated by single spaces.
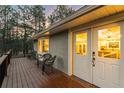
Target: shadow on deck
pixel 24 73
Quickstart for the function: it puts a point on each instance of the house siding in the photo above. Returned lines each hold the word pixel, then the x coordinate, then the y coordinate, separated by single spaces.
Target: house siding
pixel 59 47
pixel 121 74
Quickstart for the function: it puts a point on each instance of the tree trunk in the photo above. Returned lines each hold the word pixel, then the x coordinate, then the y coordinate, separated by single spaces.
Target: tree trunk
pixel 35 25
pixel 39 25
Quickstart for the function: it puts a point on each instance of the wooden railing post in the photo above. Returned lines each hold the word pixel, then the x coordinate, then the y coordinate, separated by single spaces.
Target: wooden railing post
pixel 4 62
pixel 3 67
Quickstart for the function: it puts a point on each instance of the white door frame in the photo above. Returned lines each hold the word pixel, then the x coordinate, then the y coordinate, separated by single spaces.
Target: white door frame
pixel 107 66
pixel 71 51
pixel 70 45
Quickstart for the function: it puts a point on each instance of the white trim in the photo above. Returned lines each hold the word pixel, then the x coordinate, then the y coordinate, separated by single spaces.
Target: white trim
pixel 70 53
pixel 122 55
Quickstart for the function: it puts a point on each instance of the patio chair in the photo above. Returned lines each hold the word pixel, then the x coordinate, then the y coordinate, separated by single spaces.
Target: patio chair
pixel 49 63
pixel 39 58
pixel 42 59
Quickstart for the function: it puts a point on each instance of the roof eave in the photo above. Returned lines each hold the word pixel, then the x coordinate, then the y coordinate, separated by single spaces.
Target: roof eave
pixel 85 9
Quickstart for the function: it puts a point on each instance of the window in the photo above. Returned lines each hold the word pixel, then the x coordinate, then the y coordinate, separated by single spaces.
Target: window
pixel 81 43
pixel 109 42
pixel 39 45
pixel 45 45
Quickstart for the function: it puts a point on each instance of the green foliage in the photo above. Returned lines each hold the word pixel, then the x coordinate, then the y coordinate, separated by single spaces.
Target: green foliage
pixel 61 12
pixel 18 26
pixel 6 25
pixel 33 54
pixel 38 17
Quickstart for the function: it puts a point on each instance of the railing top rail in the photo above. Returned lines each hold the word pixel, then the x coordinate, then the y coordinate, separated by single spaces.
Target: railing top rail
pixel 3 58
pixel 7 53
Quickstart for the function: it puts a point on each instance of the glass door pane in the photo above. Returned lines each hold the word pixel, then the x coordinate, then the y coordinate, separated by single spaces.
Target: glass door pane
pixel 81 44
pixel 109 42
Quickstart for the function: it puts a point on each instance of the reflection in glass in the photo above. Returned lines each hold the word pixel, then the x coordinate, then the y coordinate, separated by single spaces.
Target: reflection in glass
pixel 109 42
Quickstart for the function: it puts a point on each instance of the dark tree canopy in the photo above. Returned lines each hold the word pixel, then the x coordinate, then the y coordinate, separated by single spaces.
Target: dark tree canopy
pixel 19 23
pixel 61 12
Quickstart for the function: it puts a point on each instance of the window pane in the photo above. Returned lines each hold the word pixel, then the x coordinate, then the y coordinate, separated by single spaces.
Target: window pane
pixel 109 42
pixel 81 43
pixel 45 45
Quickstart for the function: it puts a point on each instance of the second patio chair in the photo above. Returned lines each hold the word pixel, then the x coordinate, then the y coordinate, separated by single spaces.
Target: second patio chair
pixel 43 59
pixel 49 63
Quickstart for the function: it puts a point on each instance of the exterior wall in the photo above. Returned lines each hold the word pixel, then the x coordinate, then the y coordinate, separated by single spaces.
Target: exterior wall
pixel 122 56
pixel 59 47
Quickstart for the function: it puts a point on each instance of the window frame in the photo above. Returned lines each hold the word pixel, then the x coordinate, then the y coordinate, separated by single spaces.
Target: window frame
pixel 81 32
pixel 107 27
pixel 43 45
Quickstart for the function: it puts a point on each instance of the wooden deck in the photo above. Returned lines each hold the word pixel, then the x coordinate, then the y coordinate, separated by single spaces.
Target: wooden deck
pixel 24 73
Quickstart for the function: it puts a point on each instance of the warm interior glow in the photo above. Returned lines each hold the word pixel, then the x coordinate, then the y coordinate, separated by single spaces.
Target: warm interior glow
pixel 39 45
pixel 45 45
pixel 109 42
pixel 81 43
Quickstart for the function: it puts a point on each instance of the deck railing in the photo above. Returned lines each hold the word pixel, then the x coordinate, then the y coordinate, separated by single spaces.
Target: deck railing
pixel 4 62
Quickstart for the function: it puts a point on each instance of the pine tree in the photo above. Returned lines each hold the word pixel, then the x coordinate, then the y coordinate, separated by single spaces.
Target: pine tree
pixel 61 12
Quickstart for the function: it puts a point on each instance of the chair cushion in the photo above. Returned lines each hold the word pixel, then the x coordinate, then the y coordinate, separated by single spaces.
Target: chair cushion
pixel 41 59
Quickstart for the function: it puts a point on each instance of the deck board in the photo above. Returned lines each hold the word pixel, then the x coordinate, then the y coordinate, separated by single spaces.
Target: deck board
pixel 23 78
pixel 19 81
pixel 10 79
pixel 14 75
pixel 30 77
pixel 4 84
pixel 24 73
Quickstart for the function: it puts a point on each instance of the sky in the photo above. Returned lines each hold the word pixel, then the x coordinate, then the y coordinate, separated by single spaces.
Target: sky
pixel 49 8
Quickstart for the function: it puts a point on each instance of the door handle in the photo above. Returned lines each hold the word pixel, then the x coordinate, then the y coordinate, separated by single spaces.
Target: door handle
pixel 93 59
pixel 93 62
